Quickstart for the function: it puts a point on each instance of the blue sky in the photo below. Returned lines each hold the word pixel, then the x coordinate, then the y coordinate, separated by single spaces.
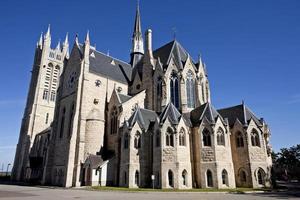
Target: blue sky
pixel 251 49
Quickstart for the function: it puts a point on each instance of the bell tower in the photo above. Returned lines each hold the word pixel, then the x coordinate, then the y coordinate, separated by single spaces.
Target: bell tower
pixel 38 114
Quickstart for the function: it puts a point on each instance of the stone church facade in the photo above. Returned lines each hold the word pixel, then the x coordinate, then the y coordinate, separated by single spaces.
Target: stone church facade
pixel 91 119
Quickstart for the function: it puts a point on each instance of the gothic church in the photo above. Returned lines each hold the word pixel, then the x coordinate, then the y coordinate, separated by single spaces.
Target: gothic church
pixel 91 119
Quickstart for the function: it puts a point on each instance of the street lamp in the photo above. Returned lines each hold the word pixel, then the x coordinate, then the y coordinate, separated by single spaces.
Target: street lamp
pixel 7 169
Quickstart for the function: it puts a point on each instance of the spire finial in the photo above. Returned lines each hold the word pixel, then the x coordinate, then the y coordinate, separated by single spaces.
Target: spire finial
pixel 48 34
pixel 66 39
pixel 41 40
pixel 87 37
pixel 58 45
pixel 174 32
pixel 76 39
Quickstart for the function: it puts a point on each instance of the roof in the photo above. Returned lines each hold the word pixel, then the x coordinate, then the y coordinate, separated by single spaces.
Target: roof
pixel 170 112
pixel 94 161
pixel 172 49
pixel 240 112
pixel 109 66
pixel 142 116
pixel 205 110
pixel 124 97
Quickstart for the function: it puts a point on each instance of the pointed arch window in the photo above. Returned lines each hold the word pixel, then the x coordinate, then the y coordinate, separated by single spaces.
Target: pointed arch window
pixel 184 177
pixel 182 141
pixel 169 138
pixel 206 138
pixel 224 177
pixel 239 139
pixel 243 176
pixel 261 176
pixel 220 137
pixel 62 122
pixel 190 90
pixel 137 140
pixel 137 178
pixel 255 138
pixel 114 121
pixel 209 179
pixel 71 119
pixel 170 178
pixel 159 93
pixel 174 88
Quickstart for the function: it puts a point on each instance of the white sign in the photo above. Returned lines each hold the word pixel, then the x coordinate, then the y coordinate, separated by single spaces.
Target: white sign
pixel 152 177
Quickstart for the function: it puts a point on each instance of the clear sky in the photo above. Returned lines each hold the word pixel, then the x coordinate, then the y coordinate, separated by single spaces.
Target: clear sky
pixel 251 49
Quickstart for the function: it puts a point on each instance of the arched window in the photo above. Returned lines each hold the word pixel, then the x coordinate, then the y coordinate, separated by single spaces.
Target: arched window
pixel 62 123
pixel 209 179
pixel 184 177
pixel 224 177
pixel 45 94
pixel 47 118
pixel 159 92
pixel 174 88
pixel 207 90
pixel 51 82
pixel 137 178
pixel 220 137
pixel 170 178
pixel 126 141
pixel 239 139
pixel 137 140
pixel 255 138
pixel 182 137
pixel 157 139
pixel 206 138
pixel 169 138
pixel 261 176
pixel 190 90
pixel 114 121
pixel 71 119
pixel 243 176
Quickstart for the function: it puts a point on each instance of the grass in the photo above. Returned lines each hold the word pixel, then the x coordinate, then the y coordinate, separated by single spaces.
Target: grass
pixel 237 190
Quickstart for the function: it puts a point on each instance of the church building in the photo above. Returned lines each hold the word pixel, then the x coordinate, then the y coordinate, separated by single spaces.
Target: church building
pixel 92 119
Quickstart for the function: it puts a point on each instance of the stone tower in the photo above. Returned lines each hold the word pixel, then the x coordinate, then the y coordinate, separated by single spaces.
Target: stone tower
pixel 38 115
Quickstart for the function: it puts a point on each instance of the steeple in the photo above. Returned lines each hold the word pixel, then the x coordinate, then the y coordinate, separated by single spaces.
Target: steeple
pixel 40 43
pixel 47 37
pixel 65 48
pixel 137 39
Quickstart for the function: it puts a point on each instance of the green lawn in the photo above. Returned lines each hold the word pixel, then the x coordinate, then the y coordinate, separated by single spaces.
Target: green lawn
pixel 237 190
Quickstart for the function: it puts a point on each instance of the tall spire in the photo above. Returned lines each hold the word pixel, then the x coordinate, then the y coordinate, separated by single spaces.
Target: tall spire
pixel 40 43
pixel 137 38
pixel 66 42
pixel 48 34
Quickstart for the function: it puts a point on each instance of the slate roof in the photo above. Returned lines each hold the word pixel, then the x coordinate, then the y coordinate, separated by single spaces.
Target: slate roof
pixel 109 66
pixel 124 97
pixel 240 112
pixel 144 117
pixel 170 112
pixel 205 110
pixel 172 49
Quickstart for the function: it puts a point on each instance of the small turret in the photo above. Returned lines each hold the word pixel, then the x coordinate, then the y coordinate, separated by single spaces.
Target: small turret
pixel 40 42
pixel 65 49
pixel 47 38
pixel 86 48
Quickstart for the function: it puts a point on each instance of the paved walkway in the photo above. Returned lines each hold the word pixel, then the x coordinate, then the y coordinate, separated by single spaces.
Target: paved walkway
pixel 11 192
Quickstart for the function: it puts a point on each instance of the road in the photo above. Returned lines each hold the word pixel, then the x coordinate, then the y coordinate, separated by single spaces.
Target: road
pixel 11 192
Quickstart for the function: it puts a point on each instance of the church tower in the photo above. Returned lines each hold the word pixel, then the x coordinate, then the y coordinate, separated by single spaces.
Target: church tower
pixel 38 114
pixel 137 50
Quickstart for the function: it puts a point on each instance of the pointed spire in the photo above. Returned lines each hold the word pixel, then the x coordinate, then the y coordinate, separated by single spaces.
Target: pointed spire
pixel 87 37
pixel 76 40
pixel 137 24
pixel 58 45
pixel 48 34
pixel 66 42
pixel 137 39
pixel 40 43
pixel 200 60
